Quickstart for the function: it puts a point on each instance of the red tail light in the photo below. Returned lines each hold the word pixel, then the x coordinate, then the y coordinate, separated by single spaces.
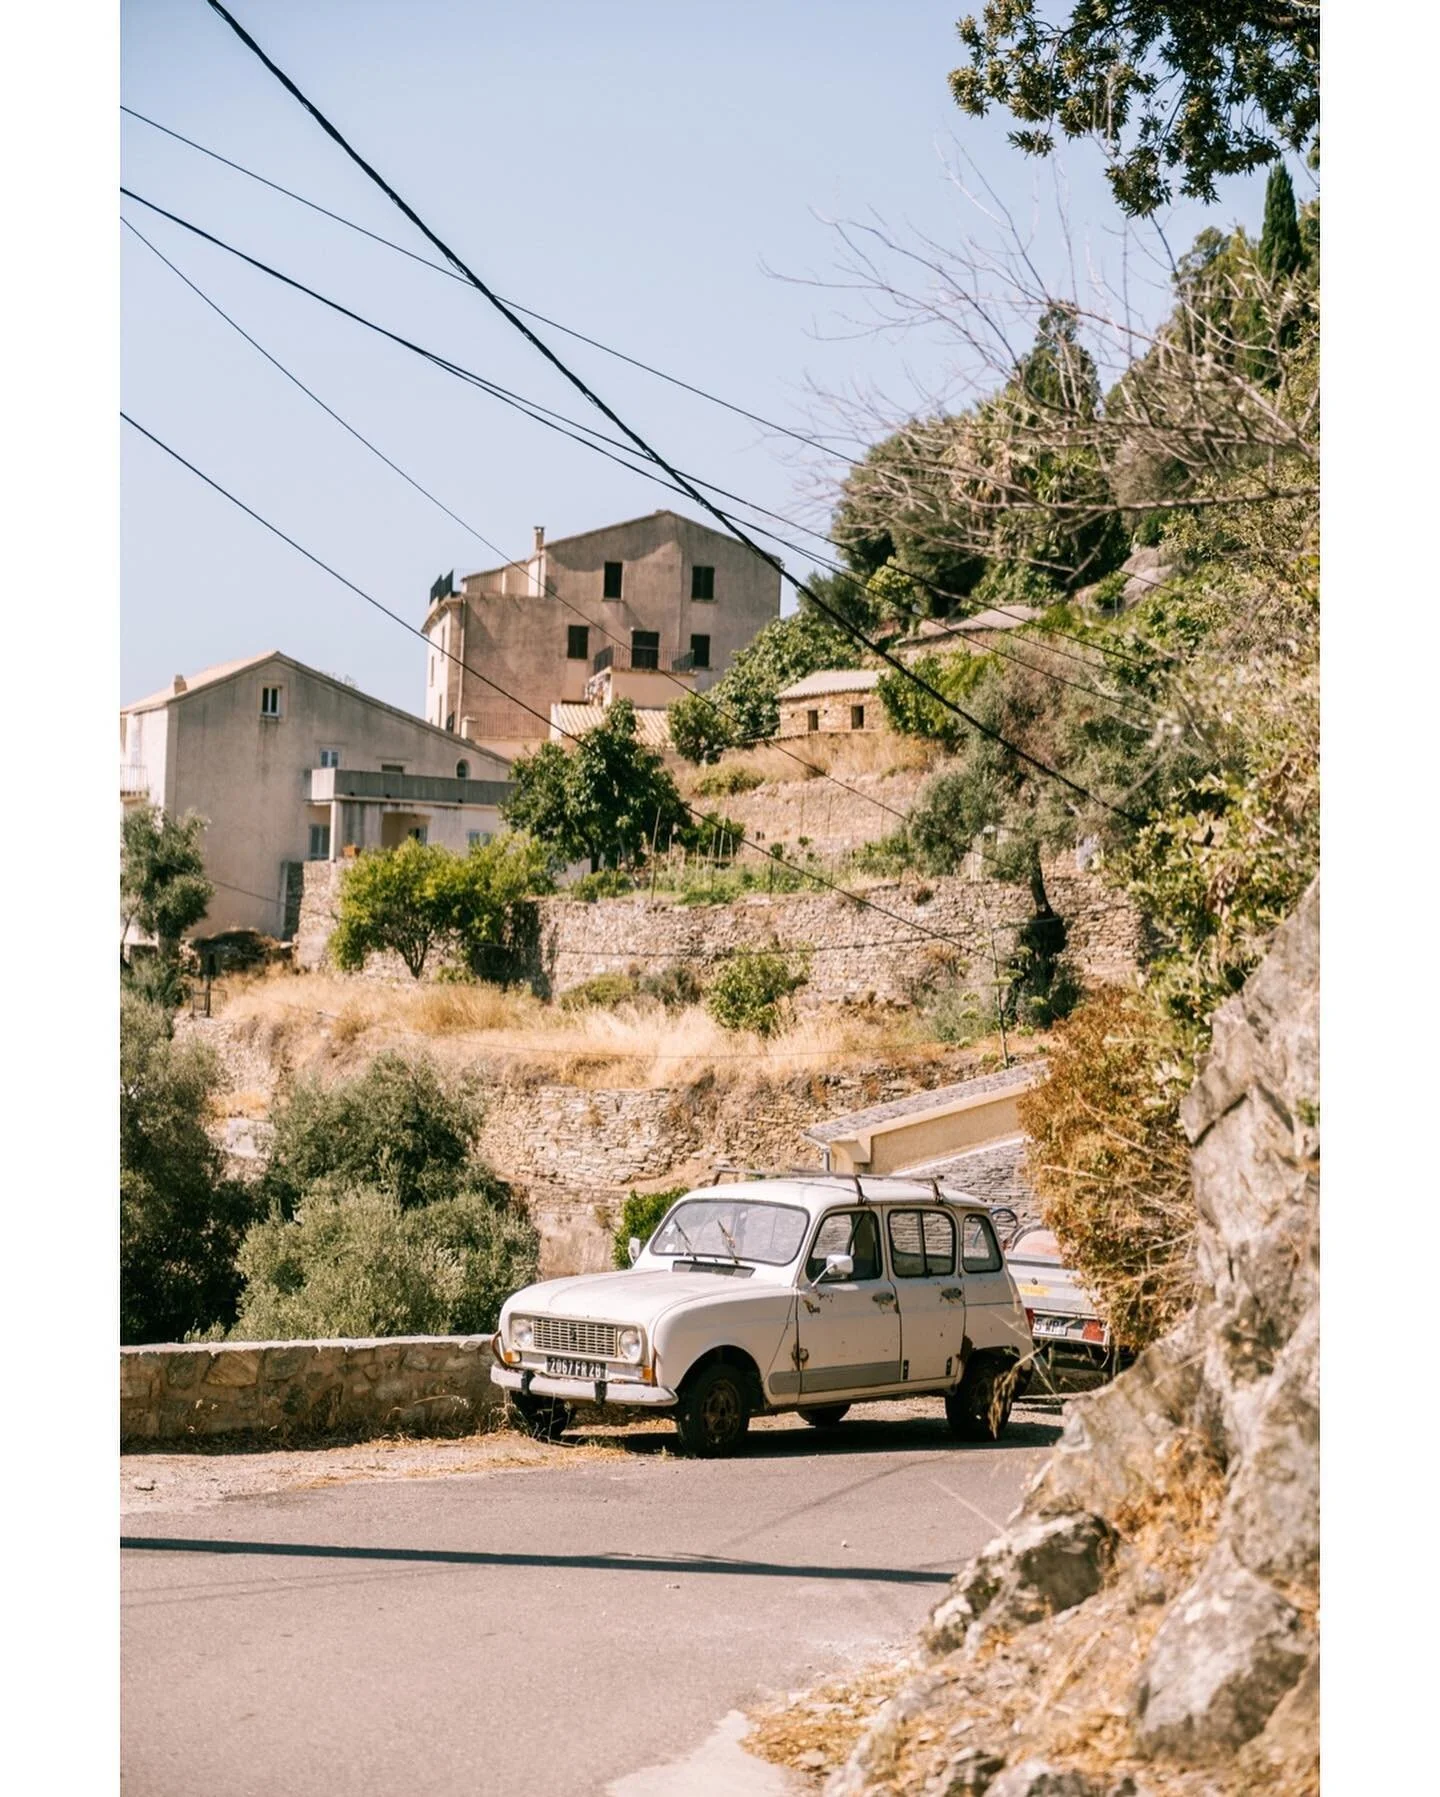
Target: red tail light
pixel 1094 1332
pixel 1029 1318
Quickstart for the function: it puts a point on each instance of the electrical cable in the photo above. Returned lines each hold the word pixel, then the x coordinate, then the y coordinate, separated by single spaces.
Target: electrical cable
pixel 696 494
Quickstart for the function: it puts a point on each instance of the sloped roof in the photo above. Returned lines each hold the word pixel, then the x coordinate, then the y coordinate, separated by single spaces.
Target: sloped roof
pixel 938 1098
pixel 571 719
pixel 833 680
pixel 222 670
pixel 599 530
pixel 934 630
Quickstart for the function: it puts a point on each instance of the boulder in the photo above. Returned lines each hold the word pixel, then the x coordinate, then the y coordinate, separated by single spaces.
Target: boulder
pixel 1037 1569
pixel 1148 569
pixel 1272 1512
pixel 1039 1778
pixel 1227 1652
pixel 972 1772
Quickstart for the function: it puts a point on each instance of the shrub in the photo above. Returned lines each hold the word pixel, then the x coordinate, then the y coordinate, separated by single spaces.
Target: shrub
pixel 1111 590
pixel 748 991
pixel 399 1127
pixel 181 1219
pixel 714 834
pixel 675 986
pixel 1109 1161
pixel 699 730
pixel 154 979
pixel 608 883
pixel 353 1262
pixel 641 1215
pixel 727 779
pixel 599 993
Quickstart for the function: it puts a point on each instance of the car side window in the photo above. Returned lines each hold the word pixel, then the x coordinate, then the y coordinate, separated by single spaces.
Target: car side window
pixel 980 1252
pixel 922 1244
pixel 852 1232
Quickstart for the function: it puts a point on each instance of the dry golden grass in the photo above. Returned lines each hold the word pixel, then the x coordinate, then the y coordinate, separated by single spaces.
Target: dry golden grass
pixel 634 1044
pixel 862 752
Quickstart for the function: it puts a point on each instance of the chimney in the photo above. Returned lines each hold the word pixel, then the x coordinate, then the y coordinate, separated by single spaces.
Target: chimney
pixel 178 684
pixel 539 538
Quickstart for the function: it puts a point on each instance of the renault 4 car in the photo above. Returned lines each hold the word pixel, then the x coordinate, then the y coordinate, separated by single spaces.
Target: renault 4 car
pixel 807 1292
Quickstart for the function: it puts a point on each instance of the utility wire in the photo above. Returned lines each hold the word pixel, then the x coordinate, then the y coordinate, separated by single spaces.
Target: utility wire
pixel 921 580
pixel 806 873
pixel 809 766
pixel 696 494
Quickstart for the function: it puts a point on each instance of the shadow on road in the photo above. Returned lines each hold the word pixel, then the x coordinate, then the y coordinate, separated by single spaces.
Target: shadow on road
pixel 854 1436
pixel 680 1563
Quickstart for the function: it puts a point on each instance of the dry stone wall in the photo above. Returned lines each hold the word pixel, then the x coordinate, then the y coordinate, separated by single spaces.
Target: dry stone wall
pixel 426 1383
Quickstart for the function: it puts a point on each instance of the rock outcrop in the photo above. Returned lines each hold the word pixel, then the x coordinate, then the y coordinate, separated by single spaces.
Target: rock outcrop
pixel 1147 1623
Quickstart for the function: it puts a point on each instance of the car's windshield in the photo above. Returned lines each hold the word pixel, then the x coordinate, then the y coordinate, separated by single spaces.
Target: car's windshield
pixel 1035 1244
pixel 734 1229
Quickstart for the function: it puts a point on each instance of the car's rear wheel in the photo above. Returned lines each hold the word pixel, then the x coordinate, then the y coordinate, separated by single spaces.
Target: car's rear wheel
pixel 824 1416
pixel 545 1418
pixel 714 1412
pixel 979 1407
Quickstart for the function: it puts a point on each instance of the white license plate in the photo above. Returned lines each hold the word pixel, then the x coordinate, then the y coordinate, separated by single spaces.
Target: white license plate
pixel 1059 1326
pixel 564 1368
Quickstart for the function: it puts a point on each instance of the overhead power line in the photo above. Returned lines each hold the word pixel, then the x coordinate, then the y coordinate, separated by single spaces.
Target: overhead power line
pixel 855 898
pixel 695 493
pixel 944 594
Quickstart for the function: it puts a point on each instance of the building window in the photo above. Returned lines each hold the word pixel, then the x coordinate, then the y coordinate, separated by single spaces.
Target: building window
pixel 614 579
pixel 577 643
pixel 857 717
pixel 812 720
pixel 702 583
pixel 644 648
pixel 450 722
pixel 462 770
pixel 329 758
pixel 392 767
pixel 478 838
pixel 319 842
pixel 421 833
pixel 432 670
pixel 699 652
pixel 270 701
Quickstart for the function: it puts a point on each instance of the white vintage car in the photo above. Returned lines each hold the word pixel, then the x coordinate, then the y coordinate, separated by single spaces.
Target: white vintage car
pixel 807 1292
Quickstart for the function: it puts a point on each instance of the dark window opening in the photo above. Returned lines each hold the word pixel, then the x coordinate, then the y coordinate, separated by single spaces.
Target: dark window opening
pixel 644 648
pixel 319 842
pixel 577 643
pixel 269 701
pixel 857 717
pixel 450 722
pixel 702 583
pixel 699 652
pixel 812 720
pixel 392 767
pixel 614 579
pixel 462 770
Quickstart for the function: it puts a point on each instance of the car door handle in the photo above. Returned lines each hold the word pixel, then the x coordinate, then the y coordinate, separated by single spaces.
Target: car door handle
pixel 882 1297
pixel 952 1294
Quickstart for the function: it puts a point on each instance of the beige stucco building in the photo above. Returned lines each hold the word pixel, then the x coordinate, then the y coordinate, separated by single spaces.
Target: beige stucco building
pixel 287 764
pixel 659 593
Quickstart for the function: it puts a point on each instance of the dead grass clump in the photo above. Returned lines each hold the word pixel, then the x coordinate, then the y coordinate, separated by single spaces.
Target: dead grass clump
pixel 816 1731
pixel 454 1010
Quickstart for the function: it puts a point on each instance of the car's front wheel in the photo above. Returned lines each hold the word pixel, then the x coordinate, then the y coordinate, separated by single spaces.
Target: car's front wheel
pixel 545 1418
pixel 714 1412
pixel 824 1416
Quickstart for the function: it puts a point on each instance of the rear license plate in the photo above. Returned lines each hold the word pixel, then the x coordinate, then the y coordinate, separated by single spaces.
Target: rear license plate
pixel 564 1368
pixel 1063 1326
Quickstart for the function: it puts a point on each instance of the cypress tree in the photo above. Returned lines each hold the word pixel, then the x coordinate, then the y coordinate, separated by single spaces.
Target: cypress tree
pixel 1281 251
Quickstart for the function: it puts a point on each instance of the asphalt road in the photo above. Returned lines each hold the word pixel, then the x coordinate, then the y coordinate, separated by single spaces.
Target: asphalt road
pixel 541 1632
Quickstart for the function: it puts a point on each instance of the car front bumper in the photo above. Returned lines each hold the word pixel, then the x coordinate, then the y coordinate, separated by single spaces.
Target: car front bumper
pixel 624 1392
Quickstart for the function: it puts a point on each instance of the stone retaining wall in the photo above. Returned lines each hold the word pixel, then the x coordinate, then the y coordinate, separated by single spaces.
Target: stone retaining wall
pixel 419 1383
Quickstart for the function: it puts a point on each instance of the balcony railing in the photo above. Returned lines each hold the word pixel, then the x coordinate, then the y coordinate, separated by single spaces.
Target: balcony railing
pixel 133 779
pixel 640 656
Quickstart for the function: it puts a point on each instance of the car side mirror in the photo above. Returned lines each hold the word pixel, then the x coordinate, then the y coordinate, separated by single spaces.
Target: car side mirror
pixel 838 1266
pixel 635 1246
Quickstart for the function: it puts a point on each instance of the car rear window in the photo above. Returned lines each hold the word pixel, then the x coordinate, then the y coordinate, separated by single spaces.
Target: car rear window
pixel 922 1244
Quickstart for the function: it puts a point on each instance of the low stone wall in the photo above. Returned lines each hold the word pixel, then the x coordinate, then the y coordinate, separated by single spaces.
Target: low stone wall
pixel 416 1383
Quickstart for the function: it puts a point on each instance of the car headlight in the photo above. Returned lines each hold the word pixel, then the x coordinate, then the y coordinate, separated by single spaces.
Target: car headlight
pixel 522 1332
pixel 631 1345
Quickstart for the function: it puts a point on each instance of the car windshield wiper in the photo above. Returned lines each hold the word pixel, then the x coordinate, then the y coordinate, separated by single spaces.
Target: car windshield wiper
pixel 729 1241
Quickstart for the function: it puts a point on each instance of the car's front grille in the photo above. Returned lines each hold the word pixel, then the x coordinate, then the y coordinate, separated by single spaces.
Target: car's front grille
pixel 567 1335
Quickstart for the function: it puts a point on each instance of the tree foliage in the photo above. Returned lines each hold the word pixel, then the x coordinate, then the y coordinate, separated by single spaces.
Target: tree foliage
pixel 699 730
pixel 750 989
pixel 421 896
pixel 641 1215
pixel 163 885
pixel 181 1219
pixel 1198 88
pixel 606 800
pixel 785 651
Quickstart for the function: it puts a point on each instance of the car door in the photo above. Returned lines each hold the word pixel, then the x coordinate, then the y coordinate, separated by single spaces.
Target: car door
pixel 994 1317
pixel 848 1329
pixel 923 1252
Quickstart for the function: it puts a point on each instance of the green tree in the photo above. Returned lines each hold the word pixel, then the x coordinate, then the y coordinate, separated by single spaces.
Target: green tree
pixel 163 886
pixel 1205 88
pixel 699 730
pixel 1282 253
pixel 785 651
pixel 607 799
pixel 354 1262
pixel 398 1127
pixel 641 1215
pixel 181 1219
pixel 748 991
pixel 422 897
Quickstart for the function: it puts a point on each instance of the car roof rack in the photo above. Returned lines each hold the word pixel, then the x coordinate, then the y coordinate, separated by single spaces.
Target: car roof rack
pixel 729 1170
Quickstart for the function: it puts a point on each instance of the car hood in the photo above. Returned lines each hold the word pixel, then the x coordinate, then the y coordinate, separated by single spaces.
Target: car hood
pixel 624 1297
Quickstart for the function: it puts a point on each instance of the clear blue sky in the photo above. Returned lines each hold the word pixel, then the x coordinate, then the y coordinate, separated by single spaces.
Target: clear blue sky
pixel 631 168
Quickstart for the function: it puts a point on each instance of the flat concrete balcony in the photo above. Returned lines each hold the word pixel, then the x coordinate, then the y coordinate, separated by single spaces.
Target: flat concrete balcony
pixel 359 785
pixel 134 781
